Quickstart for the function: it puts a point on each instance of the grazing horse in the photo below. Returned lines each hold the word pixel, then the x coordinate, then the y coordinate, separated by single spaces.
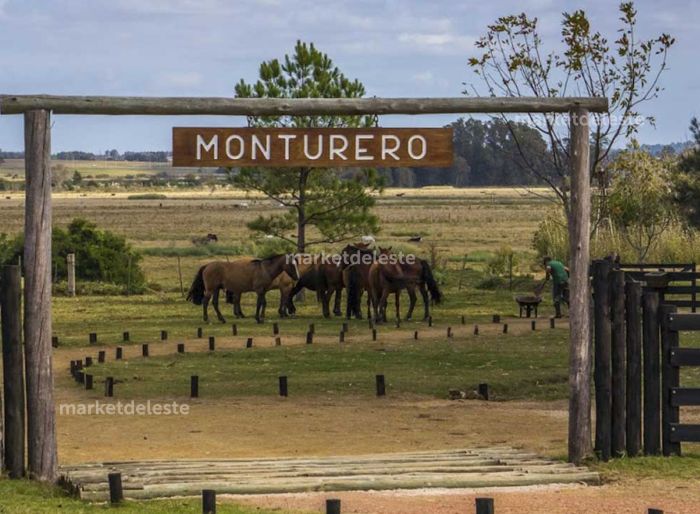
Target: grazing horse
pixel 356 260
pixel 283 282
pixel 419 274
pixel 325 278
pixel 386 276
pixel 238 277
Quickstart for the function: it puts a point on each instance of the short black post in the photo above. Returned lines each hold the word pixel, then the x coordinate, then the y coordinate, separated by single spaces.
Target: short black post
pixel 116 494
pixel 551 322
pixel 80 377
pixel 341 337
pixel 88 382
pixel 275 329
pixel 249 342
pixel 484 506
pixel 109 387
pixel 430 321
pixel 309 337
pixel 101 356
pixel 374 334
pixel 449 332
pixel 484 391
pixel 533 325
pixel 119 353
pixel 144 350
pixel 278 341
pixel 505 328
pixel 312 328
pixel 496 318
pixel 345 327
pixel 476 330
pixel 464 320
pixel 333 506
pixel 194 386
pixel 199 332
pixel 163 335
pixel 54 341
pixel 234 329
pixel 415 335
pixel 212 343
pixel 398 323
pixel 283 386
pixel 88 361
pixel 381 385
pixel 655 511
pixel 93 338
pixel 208 501
pixel 126 337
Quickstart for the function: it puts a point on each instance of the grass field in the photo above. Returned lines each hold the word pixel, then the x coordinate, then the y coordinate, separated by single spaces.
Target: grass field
pixel 239 412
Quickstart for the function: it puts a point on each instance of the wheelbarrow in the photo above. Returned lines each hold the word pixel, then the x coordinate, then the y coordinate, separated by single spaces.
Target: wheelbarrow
pixel 528 304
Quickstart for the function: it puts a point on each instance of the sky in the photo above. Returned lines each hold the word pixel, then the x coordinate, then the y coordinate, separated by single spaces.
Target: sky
pixel 396 48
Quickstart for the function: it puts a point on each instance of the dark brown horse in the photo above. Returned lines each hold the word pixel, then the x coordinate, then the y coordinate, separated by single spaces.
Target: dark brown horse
pixel 355 262
pixel 419 275
pixel 386 276
pixel 283 282
pixel 323 277
pixel 238 277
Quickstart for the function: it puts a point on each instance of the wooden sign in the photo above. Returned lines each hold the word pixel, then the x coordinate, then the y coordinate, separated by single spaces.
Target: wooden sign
pixel 313 147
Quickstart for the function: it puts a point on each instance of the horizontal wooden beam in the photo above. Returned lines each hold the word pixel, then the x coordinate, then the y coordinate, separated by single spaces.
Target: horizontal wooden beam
pixel 135 105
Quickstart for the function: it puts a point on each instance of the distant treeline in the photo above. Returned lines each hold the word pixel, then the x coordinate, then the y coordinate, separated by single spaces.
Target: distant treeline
pixel 110 155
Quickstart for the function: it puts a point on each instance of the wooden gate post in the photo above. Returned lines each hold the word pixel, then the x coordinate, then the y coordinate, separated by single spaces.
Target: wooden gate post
pixel 617 310
pixel 633 312
pixel 603 358
pixel 670 378
pixel 579 220
pixel 652 372
pixel 13 371
pixel 70 265
pixel 41 421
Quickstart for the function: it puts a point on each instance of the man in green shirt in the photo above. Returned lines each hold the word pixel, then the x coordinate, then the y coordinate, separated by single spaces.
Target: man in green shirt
pixel 560 282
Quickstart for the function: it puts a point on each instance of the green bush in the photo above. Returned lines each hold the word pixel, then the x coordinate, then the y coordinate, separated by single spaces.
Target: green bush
pixel 101 256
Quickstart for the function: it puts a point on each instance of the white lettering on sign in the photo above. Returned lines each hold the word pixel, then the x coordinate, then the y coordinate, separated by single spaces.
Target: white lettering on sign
pixel 319 148
pixel 386 150
pixel 411 149
pixel 214 143
pixel 257 145
pixel 287 140
pixel 339 152
pixel 241 147
pixel 361 153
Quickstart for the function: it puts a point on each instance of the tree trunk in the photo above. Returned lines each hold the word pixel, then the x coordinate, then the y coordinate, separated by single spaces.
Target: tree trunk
pixel 41 421
pixel 579 310
pixel 301 211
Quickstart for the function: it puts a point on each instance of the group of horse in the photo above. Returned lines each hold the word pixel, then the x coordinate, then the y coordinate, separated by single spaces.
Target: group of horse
pixel 358 269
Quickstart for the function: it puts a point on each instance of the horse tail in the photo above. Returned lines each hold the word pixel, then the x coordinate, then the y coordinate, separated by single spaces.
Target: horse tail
pixel 196 292
pixel 429 279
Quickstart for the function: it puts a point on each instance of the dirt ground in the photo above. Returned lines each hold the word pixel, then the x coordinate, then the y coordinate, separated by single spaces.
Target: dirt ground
pixel 630 498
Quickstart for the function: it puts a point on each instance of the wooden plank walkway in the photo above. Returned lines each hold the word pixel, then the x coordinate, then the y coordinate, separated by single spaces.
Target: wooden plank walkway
pixel 487 467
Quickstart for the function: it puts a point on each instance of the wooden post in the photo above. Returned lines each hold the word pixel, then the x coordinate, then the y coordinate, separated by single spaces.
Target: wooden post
pixel 617 298
pixel 88 382
pixel 163 335
pixel 208 501
pixel 603 358
pixel 41 416
pixel 194 386
pixel 12 371
pixel 309 337
pixel 579 219
pixel 109 387
pixel 126 337
pixel 341 337
pixel 483 391
pixel 116 493
pixel 283 386
pixel 179 274
pixel 476 330
pixel 374 334
pixel 144 350
pixel 180 347
pixel 212 343
pixel 505 328
pixel 101 356
pixel 652 372
pixel 381 385
pixel 484 506
pixel 275 329
pixel 633 306
pixel 333 506
pixel 118 353
pixel 70 264
pixel 199 332
pixel 670 379
pixel 92 338
pixel 234 329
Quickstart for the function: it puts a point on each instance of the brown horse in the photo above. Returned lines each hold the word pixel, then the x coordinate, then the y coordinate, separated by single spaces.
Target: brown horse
pixel 386 276
pixel 283 282
pixel 355 262
pixel 326 278
pixel 418 274
pixel 239 276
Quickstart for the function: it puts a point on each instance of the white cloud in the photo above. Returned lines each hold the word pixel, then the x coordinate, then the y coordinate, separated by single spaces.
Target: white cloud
pixel 442 43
